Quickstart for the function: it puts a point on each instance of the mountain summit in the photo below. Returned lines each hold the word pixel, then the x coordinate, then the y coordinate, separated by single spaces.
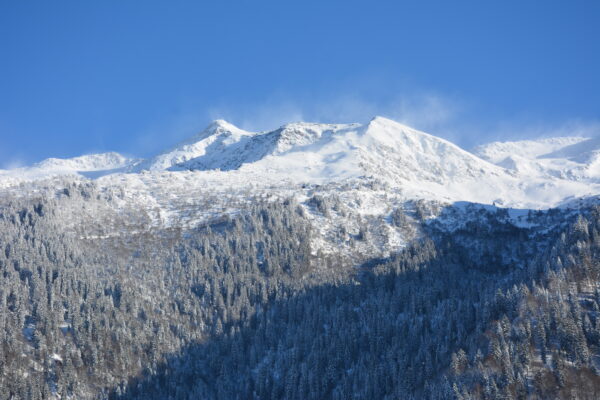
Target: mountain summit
pixel 328 151
pixel 223 146
pixel 219 134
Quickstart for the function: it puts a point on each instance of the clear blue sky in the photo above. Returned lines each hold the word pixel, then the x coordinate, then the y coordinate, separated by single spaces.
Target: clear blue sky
pixel 83 76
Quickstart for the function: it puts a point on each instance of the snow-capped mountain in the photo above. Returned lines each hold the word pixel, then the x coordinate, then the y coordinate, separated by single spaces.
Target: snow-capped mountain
pixel 531 174
pixel 306 151
pixel 346 176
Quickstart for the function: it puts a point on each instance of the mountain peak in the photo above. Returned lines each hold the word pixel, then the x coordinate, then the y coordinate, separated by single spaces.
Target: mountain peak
pixel 382 120
pixel 217 133
pixel 221 124
pixel 379 123
pixel 218 126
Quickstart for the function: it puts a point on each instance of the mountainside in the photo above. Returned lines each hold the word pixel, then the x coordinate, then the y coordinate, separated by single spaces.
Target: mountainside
pixel 315 261
pixel 91 166
pixel 472 302
pixel 568 158
pixel 305 151
pixel 532 174
pixel 328 149
pixel 363 171
pixel 92 162
pixel 218 140
pixel 367 170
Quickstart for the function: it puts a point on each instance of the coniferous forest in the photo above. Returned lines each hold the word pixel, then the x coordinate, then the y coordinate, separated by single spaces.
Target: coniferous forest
pixel 299 200
pixel 242 308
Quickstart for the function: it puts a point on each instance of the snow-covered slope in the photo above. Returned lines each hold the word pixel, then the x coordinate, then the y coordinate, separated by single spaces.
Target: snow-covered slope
pixel 532 174
pixel 345 176
pixel 91 162
pixel 323 152
pixel 497 151
pixel 219 141
pixel 90 166
pixel 567 158
pixel 225 147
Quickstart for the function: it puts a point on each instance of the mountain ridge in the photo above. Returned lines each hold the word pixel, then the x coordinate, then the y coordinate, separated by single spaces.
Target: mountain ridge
pixel 530 173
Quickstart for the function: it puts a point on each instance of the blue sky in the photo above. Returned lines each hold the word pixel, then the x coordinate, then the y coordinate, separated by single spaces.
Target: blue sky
pixel 135 77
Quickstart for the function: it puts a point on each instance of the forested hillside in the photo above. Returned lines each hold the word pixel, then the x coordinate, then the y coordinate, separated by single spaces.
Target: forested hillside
pixel 243 308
